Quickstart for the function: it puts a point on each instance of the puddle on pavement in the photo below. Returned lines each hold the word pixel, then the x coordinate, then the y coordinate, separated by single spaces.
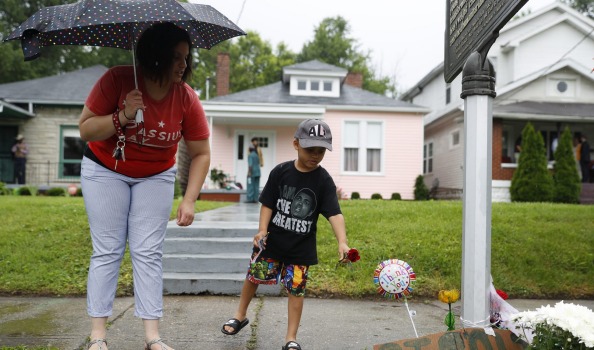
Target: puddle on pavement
pixel 13 309
pixel 39 324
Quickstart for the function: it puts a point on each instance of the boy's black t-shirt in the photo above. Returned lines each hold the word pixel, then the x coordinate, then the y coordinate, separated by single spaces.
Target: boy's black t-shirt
pixel 296 200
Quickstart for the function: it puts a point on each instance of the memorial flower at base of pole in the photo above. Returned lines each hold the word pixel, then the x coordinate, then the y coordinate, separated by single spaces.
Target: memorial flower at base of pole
pixel 449 297
pixel 563 326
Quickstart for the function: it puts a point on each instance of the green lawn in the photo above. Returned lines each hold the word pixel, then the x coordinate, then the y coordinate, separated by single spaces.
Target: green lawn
pixel 538 250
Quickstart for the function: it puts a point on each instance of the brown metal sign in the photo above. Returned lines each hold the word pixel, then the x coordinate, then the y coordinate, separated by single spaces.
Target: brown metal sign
pixel 473 25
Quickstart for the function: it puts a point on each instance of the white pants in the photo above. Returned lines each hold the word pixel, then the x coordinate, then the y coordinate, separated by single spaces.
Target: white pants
pixel 120 209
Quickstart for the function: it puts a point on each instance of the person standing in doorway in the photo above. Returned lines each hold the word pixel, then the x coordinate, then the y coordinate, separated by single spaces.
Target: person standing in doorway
pixel 253 180
pixel 256 145
pixel 585 158
pixel 19 153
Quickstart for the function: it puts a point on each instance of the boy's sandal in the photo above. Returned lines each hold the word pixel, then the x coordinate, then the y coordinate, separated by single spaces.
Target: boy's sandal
pixel 99 342
pixel 159 342
pixel 236 324
pixel 292 345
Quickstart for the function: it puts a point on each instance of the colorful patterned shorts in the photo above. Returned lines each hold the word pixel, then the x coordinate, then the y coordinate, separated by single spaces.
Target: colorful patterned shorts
pixel 270 271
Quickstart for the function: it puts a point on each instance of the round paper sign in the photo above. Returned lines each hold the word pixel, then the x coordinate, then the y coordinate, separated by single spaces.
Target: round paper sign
pixel 393 278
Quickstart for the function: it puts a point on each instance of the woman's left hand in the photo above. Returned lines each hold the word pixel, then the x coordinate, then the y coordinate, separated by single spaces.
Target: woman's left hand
pixel 185 213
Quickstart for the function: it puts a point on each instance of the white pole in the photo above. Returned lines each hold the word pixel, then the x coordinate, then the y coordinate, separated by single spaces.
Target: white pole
pixel 478 91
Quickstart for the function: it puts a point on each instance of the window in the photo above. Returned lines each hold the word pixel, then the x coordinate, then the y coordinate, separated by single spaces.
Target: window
pixel 301 85
pixel 448 93
pixel 455 139
pixel 71 152
pixel 327 86
pixel 315 85
pixel 428 158
pixel 363 145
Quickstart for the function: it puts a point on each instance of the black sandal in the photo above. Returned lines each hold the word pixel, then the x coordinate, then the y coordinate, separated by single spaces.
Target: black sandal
pixel 292 345
pixel 99 343
pixel 236 324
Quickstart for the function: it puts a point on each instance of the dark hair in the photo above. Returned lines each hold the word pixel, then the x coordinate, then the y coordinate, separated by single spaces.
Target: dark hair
pixel 155 50
pixel 254 138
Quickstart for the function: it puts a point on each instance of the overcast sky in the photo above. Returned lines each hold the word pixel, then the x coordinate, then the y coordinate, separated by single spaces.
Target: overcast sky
pixel 405 37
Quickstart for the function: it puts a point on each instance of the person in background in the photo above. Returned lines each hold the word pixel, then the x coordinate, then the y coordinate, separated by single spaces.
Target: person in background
pixel 296 193
pixel 253 179
pixel 256 145
pixel 128 173
pixel 20 150
pixel 585 158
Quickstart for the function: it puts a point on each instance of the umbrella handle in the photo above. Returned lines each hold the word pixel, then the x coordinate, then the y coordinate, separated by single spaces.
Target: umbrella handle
pixel 139 116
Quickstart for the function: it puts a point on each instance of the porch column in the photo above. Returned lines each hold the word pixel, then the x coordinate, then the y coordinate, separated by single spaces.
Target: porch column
pixel 478 91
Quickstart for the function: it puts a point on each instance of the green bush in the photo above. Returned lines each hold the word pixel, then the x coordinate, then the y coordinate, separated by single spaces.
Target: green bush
pixel 377 196
pixel 355 195
pixel 4 191
pixel 396 196
pixel 56 192
pixel 421 190
pixel 24 191
pixel 78 192
pixel 565 176
pixel 532 181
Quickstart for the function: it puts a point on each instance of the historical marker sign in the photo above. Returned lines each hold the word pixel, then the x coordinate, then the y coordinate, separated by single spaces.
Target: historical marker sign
pixel 473 25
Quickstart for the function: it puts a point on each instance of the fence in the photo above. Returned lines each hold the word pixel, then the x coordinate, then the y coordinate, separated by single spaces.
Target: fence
pixel 48 174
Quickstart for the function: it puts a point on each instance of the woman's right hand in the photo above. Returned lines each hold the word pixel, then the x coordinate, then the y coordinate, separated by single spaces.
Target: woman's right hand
pixel 132 103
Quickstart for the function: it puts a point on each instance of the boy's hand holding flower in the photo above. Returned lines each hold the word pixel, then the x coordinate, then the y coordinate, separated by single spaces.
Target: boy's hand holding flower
pixel 349 257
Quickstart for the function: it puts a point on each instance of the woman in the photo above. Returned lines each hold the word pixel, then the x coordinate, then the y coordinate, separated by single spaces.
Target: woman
pixel 128 173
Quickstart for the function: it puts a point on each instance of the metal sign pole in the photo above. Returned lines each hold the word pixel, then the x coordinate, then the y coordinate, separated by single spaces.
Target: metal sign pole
pixel 478 91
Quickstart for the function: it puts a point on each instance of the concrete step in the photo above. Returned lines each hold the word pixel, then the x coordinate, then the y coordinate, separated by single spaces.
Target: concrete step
pixel 207 245
pixel 229 262
pixel 213 229
pixel 212 283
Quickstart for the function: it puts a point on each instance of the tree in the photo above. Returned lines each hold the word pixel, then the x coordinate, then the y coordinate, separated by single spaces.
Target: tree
pixel 333 45
pixel 565 176
pixel 532 181
pixel 253 62
pixel 584 6
pixel 421 191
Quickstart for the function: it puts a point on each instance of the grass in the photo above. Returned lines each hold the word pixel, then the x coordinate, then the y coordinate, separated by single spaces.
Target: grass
pixel 538 250
pixel 45 246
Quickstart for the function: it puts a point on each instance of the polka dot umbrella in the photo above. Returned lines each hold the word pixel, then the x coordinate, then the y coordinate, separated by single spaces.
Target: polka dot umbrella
pixel 119 23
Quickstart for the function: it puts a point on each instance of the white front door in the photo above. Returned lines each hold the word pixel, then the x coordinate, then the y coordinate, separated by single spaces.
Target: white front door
pixel 243 141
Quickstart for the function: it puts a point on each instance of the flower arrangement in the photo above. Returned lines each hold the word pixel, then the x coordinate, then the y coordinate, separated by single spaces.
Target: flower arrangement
pixel 564 326
pixel 350 257
pixel 449 297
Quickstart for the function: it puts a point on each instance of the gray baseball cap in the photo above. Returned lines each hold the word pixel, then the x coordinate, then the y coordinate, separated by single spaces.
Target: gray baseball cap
pixel 314 133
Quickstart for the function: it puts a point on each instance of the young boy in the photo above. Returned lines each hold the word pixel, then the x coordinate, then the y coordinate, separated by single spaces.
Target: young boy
pixel 292 199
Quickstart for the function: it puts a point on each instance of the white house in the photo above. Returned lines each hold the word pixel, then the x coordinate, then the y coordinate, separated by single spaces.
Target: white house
pixel 543 63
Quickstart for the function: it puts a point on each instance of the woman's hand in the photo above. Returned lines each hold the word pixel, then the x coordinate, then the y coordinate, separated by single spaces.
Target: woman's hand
pixel 185 213
pixel 132 103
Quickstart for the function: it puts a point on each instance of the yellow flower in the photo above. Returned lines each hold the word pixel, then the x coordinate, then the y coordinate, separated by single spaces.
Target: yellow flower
pixel 449 296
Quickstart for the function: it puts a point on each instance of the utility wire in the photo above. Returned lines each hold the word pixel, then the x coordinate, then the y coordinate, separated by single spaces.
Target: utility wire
pixel 240 12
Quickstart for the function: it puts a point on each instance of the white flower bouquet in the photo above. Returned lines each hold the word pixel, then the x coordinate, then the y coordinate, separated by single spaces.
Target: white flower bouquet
pixel 564 326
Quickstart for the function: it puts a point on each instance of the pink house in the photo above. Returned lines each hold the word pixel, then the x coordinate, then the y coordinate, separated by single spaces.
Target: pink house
pixel 377 141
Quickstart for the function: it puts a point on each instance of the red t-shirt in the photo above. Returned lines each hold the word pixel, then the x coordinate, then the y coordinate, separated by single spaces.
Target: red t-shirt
pixel 179 114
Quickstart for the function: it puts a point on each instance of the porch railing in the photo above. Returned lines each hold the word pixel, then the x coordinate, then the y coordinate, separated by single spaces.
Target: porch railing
pixel 45 173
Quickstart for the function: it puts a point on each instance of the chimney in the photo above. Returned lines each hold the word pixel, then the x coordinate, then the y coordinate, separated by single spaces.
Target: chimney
pixel 223 62
pixel 354 79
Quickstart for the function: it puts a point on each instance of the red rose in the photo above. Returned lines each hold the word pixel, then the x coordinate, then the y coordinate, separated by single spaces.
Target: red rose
pixel 353 255
pixel 502 294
